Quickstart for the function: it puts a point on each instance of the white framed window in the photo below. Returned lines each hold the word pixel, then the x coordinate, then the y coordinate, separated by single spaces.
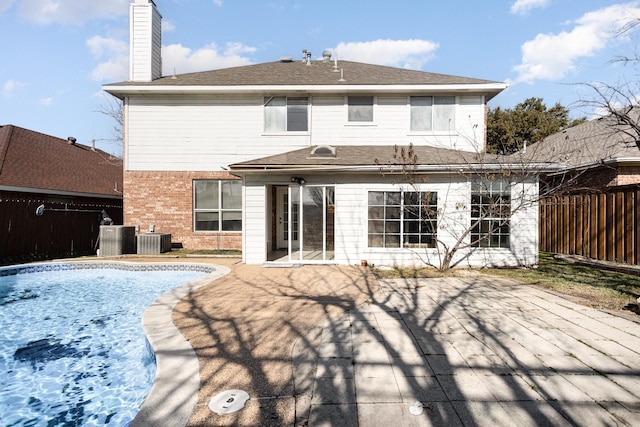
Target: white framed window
pixel 359 109
pixel 432 113
pixel 286 114
pixel 490 213
pixel 402 219
pixel 217 205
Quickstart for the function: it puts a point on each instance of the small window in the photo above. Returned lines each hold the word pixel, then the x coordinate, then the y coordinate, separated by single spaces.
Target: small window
pixel 217 205
pixel 432 113
pixel 490 214
pixel 282 114
pixel 360 109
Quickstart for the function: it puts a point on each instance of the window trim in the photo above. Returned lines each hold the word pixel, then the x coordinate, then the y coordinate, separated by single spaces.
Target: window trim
pixel 220 210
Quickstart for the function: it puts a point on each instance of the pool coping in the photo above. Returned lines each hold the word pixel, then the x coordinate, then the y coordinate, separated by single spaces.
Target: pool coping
pixel 174 392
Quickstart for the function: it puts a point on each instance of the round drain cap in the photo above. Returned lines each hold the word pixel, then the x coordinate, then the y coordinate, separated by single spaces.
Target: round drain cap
pixel 416 408
pixel 228 401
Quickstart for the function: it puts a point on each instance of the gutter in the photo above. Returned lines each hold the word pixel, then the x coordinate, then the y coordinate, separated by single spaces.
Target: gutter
pixel 630 161
pixel 141 89
pixel 447 168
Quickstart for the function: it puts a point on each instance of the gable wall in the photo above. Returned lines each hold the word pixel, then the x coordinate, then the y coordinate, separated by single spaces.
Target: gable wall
pixel 210 132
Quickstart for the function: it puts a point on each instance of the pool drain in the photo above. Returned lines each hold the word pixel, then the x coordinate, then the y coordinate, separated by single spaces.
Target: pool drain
pixel 228 401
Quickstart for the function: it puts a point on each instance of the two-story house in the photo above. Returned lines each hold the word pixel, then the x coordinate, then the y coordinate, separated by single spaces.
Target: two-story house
pixel 293 160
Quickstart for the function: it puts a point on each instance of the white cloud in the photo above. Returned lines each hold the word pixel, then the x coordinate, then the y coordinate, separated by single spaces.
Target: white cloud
pixel 46 102
pixel 5 5
pixel 10 86
pixel 184 60
pixel 522 7
pixel 553 56
pixel 217 2
pixel 167 26
pixel 75 12
pixel 413 53
pixel 114 57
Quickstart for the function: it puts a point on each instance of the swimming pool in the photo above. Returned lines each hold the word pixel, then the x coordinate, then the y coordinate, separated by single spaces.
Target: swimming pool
pixel 72 350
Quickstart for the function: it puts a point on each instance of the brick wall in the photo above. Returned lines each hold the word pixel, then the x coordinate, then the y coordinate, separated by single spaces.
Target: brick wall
pixel 629 175
pixel 164 200
pixel 602 178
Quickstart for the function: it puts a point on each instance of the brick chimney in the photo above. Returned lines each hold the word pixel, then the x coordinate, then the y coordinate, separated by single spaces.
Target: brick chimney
pixel 145 59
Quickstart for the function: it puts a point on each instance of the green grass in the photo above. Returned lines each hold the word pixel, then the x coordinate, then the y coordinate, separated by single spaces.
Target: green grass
pixel 591 286
pixel 597 287
pixel 185 252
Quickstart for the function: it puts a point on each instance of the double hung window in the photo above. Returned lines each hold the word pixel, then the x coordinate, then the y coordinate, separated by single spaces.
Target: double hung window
pixel 217 205
pixel 490 213
pixel 283 114
pixel 402 219
pixel 432 113
pixel 360 109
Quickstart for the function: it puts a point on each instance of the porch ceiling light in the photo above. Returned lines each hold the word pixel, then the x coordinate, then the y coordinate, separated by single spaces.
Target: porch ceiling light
pixel 298 179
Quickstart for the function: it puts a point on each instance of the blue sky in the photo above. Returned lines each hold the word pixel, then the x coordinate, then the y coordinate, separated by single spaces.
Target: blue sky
pixel 57 53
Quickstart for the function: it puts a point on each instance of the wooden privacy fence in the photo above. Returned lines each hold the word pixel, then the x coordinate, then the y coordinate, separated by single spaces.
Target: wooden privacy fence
pixel 603 226
pixel 24 236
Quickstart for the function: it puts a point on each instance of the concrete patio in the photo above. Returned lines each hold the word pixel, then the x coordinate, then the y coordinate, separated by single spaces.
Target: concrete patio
pixel 333 346
pixel 474 352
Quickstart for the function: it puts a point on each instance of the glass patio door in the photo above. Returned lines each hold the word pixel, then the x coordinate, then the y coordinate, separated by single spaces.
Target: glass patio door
pixel 310 218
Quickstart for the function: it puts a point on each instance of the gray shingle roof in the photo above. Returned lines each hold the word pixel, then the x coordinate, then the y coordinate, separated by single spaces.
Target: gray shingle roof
pixel 586 144
pixel 364 155
pixel 299 73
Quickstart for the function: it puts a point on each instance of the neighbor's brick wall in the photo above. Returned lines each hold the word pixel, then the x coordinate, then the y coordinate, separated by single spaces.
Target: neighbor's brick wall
pixel 629 175
pixel 606 177
pixel 164 199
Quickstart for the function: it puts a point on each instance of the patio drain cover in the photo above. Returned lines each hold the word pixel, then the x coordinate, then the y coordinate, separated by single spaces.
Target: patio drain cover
pixel 416 408
pixel 228 401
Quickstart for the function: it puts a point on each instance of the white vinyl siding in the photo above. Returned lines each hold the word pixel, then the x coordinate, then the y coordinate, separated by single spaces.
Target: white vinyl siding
pixel 254 232
pixel 146 63
pixel 173 133
pixel 351 224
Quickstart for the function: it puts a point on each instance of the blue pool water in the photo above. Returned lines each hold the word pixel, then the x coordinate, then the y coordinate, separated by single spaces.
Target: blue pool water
pixel 72 349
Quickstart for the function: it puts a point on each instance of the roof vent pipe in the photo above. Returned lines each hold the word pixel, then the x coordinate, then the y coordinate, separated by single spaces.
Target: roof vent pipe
pixel 326 56
pixel 71 140
pixel 306 56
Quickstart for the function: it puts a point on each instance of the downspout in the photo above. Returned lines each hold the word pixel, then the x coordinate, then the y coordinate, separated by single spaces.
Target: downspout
pixel 310 120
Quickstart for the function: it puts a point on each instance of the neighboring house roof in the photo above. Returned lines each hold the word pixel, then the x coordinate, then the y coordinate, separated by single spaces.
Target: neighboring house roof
pixel 589 144
pixel 375 158
pixel 287 75
pixel 35 162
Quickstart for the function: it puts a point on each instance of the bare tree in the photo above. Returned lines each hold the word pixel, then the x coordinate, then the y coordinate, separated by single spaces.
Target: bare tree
pixel 112 108
pixel 501 186
pixel 618 99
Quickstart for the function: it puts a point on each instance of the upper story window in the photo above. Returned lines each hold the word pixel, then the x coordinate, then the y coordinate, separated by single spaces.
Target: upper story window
pixel 283 114
pixel 360 108
pixel 217 205
pixel 432 113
